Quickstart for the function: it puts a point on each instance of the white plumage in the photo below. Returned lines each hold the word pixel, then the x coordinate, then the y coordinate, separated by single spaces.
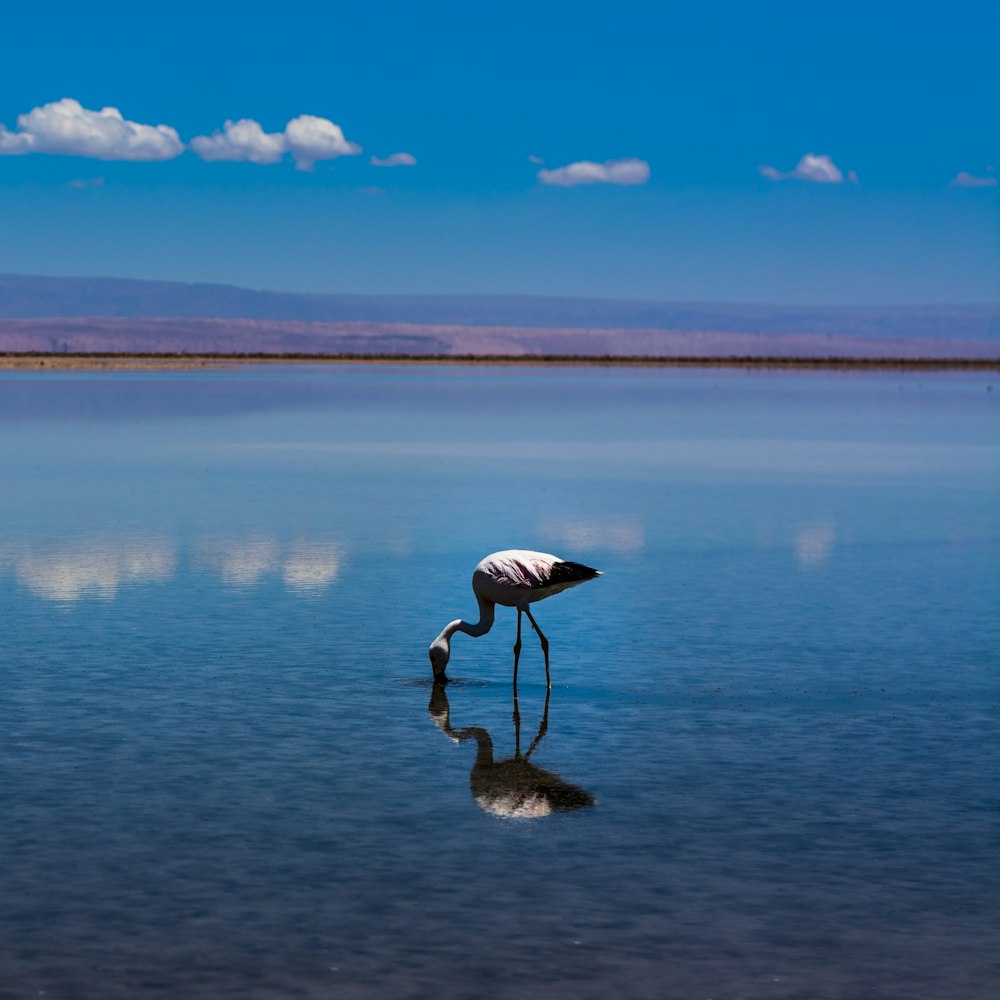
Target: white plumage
pixel 514 578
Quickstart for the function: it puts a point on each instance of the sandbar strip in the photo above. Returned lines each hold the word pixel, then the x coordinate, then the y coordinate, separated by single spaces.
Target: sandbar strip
pixel 100 361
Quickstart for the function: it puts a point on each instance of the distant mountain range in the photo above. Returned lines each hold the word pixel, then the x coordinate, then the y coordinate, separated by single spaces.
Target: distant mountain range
pixel 40 313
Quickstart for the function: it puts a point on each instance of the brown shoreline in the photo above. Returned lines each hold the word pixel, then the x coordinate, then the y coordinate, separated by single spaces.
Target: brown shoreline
pixel 123 361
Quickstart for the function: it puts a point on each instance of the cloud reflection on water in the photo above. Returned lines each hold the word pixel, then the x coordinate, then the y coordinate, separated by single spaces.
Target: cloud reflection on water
pixel 306 567
pixel 310 568
pixel 624 535
pixel 94 568
pixel 814 543
pixel 98 568
pixel 239 562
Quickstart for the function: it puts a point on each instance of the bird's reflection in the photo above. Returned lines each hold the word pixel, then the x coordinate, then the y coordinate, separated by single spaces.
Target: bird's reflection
pixel 512 788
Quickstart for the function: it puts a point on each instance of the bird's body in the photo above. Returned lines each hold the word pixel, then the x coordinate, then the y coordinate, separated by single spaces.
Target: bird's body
pixel 520 576
pixel 514 578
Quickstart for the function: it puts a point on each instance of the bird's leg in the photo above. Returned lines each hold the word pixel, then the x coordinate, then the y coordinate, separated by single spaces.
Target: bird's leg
pixel 517 727
pixel 517 653
pixel 544 642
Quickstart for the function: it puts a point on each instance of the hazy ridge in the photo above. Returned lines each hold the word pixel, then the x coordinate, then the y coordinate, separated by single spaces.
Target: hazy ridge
pixel 112 314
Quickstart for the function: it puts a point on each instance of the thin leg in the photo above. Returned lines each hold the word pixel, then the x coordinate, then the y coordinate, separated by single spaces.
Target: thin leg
pixel 517 653
pixel 545 645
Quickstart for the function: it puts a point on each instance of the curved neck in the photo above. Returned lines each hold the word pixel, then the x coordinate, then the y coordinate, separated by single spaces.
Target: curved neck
pixel 487 612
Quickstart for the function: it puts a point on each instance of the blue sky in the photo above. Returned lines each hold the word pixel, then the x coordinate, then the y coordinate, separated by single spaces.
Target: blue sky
pixel 734 152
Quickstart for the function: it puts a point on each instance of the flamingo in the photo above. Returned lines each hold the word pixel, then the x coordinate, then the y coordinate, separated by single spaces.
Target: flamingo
pixel 514 578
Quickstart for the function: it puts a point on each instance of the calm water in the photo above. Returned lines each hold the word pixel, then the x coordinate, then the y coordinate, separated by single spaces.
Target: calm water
pixel 224 771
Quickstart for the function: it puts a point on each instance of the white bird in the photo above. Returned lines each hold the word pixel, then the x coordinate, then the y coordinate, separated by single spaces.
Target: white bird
pixel 514 578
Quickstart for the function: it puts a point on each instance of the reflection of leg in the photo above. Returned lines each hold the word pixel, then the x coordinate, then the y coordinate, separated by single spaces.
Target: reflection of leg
pixel 543 727
pixel 439 709
pixel 517 653
pixel 544 642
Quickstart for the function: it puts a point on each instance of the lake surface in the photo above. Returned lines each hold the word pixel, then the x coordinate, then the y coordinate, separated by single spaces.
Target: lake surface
pixel 769 768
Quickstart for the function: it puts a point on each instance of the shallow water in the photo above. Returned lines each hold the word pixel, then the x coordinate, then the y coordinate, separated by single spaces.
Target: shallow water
pixel 771 748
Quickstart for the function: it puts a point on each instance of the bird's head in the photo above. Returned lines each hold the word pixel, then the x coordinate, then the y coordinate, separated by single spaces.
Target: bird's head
pixel 439 652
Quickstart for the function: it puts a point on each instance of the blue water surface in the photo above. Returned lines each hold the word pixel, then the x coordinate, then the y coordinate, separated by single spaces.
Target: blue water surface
pixel 769 758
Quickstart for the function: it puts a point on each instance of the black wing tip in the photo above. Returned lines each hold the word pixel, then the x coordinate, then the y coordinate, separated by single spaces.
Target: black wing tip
pixel 571 572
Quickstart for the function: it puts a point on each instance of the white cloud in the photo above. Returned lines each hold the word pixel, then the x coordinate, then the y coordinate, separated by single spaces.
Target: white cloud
pixel 243 141
pixel 534 158
pixel 394 160
pixel 964 179
pixel 309 139
pixel 627 171
pixel 818 169
pixel 66 128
